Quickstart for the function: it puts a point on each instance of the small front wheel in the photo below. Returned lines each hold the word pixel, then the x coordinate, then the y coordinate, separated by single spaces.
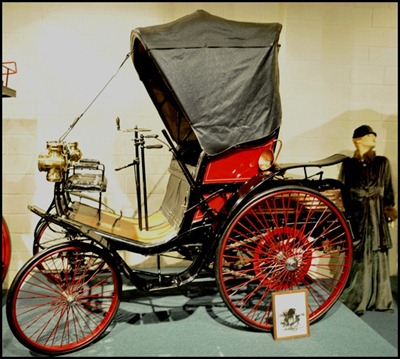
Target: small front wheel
pixel 64 298
pixel 285 239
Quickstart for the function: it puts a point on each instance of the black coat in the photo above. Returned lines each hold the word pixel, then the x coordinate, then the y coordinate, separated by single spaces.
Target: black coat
pixel 370 194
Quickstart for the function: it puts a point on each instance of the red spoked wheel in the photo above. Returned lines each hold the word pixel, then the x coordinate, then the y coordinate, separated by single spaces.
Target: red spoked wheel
pixel 5 249
pixel 285 239
pixel 64 298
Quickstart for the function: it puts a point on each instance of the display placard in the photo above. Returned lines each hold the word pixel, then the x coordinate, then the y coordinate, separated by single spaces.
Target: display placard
pixel 290 314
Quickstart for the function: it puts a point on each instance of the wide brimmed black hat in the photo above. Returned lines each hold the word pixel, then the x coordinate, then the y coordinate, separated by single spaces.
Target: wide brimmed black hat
pixel 362 131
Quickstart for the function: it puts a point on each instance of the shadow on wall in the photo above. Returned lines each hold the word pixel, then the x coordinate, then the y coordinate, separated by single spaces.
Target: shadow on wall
pixel 335 136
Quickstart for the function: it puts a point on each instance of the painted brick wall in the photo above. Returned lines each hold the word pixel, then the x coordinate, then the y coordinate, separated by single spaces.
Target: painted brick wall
pixel 338 66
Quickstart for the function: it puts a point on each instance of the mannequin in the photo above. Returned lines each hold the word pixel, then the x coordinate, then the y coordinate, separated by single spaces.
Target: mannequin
pixel 371 207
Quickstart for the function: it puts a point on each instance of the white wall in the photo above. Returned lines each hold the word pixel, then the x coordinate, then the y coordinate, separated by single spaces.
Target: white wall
pixel 338 66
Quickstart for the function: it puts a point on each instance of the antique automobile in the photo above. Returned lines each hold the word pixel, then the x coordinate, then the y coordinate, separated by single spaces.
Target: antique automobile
pixel 230 211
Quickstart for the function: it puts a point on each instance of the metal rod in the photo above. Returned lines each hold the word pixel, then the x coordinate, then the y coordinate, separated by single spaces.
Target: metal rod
pixel 178 157
pixel 62 138
pixel 146 218
pixel 159 269
pixel 137 178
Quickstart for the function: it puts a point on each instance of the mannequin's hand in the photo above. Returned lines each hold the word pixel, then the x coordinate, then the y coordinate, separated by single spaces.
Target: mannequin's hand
pixel 390 213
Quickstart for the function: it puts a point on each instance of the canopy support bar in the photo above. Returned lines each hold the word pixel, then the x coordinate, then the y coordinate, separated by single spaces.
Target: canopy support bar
pixel 178 157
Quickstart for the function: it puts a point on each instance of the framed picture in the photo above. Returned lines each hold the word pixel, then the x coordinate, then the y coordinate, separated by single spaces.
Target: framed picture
pixel 290 314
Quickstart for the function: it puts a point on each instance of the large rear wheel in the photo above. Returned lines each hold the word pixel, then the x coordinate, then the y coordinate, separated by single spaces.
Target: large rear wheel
pixel 64 298
pixel 284 239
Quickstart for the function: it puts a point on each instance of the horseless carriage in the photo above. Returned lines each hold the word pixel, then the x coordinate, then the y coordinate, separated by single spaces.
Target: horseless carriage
pixel 230 210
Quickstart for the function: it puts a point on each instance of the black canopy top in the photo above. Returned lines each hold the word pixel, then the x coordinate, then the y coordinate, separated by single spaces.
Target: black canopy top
pixel 214 82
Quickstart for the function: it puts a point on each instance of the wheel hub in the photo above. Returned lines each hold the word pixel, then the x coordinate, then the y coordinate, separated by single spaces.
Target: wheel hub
pixel 292 264
pixel 70 299
pixel 288 254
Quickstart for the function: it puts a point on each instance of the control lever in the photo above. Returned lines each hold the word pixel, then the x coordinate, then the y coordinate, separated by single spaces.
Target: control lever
pixel 153 146
pixel 135 162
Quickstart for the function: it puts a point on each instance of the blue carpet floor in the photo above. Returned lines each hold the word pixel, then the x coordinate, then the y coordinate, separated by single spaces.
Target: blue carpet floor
pixel 194 322
pixel 386 324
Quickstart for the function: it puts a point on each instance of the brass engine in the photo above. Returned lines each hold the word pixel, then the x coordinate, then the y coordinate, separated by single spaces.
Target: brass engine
pixel 57 159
